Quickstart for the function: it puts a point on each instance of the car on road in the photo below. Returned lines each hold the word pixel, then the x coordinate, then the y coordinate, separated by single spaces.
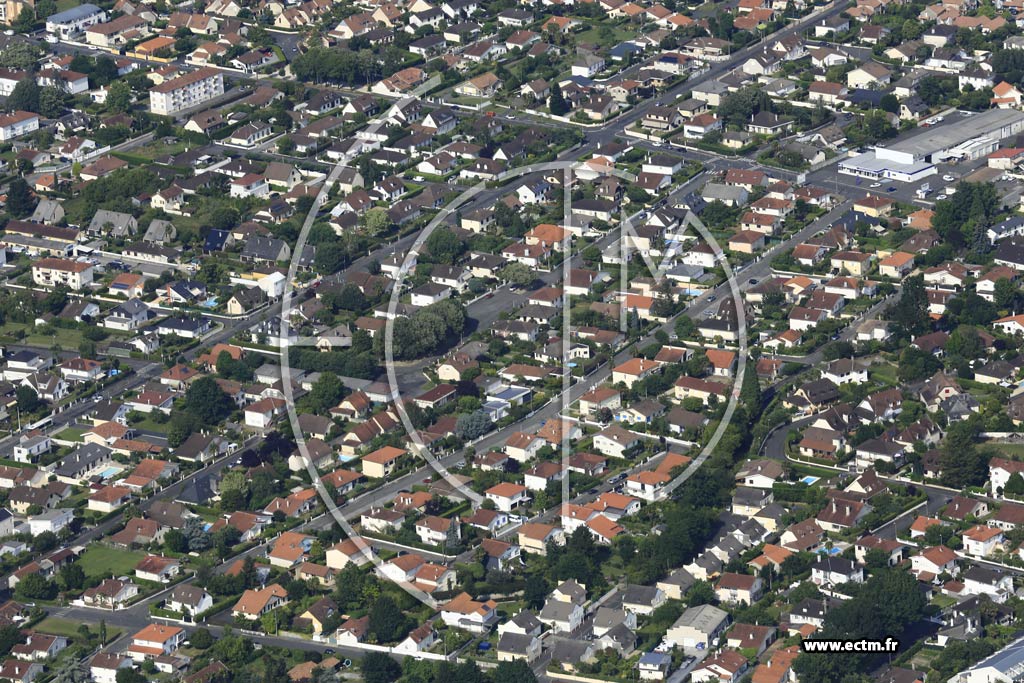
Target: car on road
pixel 712 298
pixel 752 281
pixel 948 178
pixel 511 117
pixel 592 492
pixel 891 188
pixel 941 196
pixel 876 184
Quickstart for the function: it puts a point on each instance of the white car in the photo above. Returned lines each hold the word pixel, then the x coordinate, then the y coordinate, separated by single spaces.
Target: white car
pixel 941 196
pixel 876 184
pixel 948 178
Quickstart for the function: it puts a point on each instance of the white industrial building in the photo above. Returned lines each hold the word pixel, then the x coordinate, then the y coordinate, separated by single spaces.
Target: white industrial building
pixel 914 158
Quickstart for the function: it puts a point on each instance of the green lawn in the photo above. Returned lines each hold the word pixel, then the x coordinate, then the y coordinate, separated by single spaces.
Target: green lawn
pixel 104 561
pixel 1014 450
pixel 148 423
pixel 159 148
pixel 69 629
pixel 70 434
pixel 64 338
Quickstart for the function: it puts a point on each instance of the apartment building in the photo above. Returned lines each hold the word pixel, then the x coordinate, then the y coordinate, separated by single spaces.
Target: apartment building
pixel 51 272
pixel 184 92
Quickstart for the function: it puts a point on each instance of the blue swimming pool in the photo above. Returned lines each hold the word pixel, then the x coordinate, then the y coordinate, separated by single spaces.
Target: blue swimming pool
pixel 809 480
pixel 110 472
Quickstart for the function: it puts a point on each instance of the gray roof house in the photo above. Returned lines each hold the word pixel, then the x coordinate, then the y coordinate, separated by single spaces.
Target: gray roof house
pixel 81 462
pixel 265 249
pixel 114 223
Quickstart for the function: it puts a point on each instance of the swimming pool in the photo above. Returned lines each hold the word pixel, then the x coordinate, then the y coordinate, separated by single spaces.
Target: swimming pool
pixel 110 472
pixel 810 481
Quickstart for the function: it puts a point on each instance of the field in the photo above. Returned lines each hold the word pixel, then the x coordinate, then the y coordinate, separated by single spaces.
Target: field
pixel 101 560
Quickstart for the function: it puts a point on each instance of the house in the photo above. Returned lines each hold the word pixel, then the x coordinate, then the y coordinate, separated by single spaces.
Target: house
pixel 104 666
pixel 534 537
pixel 156 640
pixel 834 571
pixel 484 85
pixel 507 496
pixel 933 561
pixel 738 588
pixel 382 463
pixel 188 599
pixel 728 666
pixel 982 540
pixel 255 603
pixel 513 646
pixel 157 568
pixel 562 616
pixel 466 613
pixel 616 442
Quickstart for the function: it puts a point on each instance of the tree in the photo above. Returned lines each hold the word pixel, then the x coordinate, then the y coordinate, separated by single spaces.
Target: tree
pixel 207 401
pixel 910 313
pixel 201 639
pixel 444 245
pixel 387 622
pixel 750 392
pixel 700 593
pixel 119 97
pixel 1005 293
pixel 73 671
pixel 376 221
pixel 52 101
pixel 325 393
pixel 470 426
pixel 20 55
pixel 130 675
pixel 965 343
pixel 738 107
pixel 890 104
pixel 71 576
pixel 35 587
pixel 516 671
pixel 1014 485
pixel 20 200
pixel 379 668
pixel 331 258
pixel 962 462
pixel 175 541
pixel 45 542
pixel 518 274
pixel 911 30
pixel 25 96
pixel 556 101
pixel 684 326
